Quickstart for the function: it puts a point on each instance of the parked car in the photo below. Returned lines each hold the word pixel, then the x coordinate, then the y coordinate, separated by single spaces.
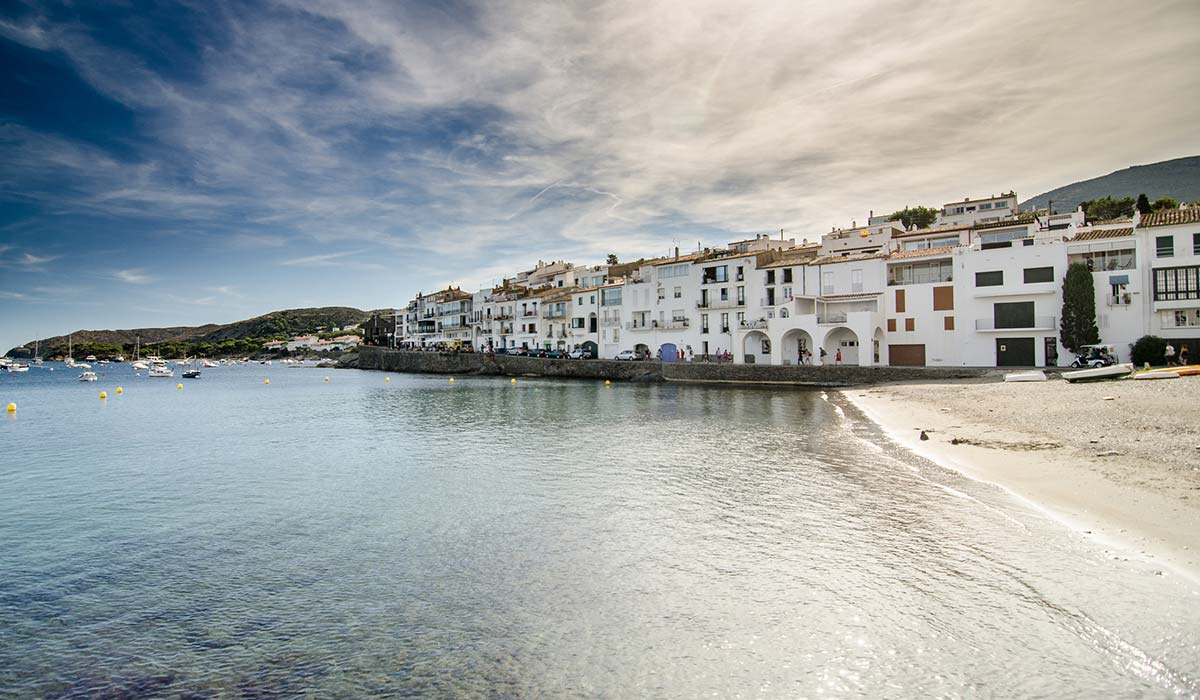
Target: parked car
pixel 627 355
pixel 552 354
pixel 580 354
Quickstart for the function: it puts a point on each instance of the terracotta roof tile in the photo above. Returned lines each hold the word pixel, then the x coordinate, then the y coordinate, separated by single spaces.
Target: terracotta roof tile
pixel 947 250
pixel 1171 217
pixel 1100 234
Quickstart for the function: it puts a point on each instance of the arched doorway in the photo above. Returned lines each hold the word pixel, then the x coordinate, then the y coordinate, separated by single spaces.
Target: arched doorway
pixel 797 347
pixel 591 347
pixel 756 348
pixel 591 323
pixel 669 352
pixel 641 349
pixel 878 348
pixel 841 340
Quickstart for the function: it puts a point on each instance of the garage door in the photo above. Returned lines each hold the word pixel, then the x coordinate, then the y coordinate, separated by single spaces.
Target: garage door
pixel 1014 352
pixel 906 355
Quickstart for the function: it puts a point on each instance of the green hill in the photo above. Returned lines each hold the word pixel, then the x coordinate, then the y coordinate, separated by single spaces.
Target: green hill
pixel 272 325
pixel 1178 178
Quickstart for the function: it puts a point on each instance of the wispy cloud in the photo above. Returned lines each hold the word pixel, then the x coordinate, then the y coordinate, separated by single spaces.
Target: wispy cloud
pixel 133 276
pixel 320 260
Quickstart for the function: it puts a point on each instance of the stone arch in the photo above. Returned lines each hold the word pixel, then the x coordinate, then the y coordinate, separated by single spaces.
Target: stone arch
pixel 756 348
pixel 844 340
pixel 794 343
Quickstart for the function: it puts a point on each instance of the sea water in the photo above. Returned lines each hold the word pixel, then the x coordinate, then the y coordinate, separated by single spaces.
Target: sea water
pixel 358 537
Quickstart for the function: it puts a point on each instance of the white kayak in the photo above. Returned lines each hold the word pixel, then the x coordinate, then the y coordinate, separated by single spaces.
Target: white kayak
pixel 1098 373
pixel 1036 375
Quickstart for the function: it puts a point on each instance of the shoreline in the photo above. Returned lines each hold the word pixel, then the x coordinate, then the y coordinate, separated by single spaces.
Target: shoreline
pixel 1113 498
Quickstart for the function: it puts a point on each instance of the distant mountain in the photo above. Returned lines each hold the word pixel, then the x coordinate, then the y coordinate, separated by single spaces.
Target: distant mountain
pixel 276 323
pixel 1178 178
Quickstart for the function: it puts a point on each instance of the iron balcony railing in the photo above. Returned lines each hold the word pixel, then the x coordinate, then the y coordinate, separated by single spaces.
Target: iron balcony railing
pixel 720 304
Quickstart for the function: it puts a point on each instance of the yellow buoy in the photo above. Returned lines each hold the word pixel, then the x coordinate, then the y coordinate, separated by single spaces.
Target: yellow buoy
pixel 326 378
pixel 451 380
pixel 387 379
pixel 12 408
pixel 104 394
pixel 607 383
pixel 266 381
pixel 120 390
pixel 179 386
pixel 513 380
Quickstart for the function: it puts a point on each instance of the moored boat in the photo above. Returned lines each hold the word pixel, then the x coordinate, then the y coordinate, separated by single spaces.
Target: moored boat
pixel 88 377
pixel 191 374
pixel 160 369
pixel 1099 373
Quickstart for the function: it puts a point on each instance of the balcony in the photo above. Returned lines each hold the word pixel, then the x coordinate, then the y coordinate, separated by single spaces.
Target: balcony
pixel 831 319
pixel 720 304
pixel 554 314
pixel 530 314
pixel 1040 323
pixel 615 321
pixel 1121 300
pixel 760 324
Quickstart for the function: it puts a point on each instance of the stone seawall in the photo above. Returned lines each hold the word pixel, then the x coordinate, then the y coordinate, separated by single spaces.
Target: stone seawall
pixel 503 365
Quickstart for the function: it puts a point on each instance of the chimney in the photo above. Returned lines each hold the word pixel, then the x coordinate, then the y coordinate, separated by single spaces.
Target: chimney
pixel 676 251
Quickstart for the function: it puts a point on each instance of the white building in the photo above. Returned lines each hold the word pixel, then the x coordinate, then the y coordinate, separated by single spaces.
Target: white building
pixel 1171 244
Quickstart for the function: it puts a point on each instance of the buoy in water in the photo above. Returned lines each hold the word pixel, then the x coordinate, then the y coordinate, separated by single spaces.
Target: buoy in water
pixel 513 380
pixel 104 394
pixel 266 381
pixel 387 379
pixel 607 383
pixel 12 408
pixel 451 380
pixel 326 378
pixel 179 386
pixel 120 390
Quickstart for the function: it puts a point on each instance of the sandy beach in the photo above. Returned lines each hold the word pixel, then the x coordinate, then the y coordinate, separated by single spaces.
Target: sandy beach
pixel 1118 461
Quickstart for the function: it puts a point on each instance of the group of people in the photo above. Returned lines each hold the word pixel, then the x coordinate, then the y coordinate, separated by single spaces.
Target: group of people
pixel 1172 360
pixel 806 357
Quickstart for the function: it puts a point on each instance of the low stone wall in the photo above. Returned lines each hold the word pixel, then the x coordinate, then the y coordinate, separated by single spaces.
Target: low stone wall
pixel 504 365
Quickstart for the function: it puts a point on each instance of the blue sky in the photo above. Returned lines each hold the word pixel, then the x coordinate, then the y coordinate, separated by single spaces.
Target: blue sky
pixel 182 163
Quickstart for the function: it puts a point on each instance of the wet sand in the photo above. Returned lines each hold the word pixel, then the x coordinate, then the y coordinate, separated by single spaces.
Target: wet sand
pixel 1118 460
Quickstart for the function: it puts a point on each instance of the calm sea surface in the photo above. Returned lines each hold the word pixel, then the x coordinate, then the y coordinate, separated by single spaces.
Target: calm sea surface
pixel 417 538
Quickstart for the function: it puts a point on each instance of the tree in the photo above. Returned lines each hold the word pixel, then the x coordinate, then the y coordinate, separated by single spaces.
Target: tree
pixel 921 217
pixel 1078 325
pixel 1164 203
pixel 1143 204
pixel 1108 208
pixel 1148 349
pixel 612 259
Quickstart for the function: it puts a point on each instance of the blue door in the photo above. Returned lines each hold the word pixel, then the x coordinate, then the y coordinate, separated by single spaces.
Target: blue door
pixel 669 352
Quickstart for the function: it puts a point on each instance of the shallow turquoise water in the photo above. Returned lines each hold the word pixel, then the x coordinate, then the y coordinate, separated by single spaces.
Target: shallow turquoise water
pixel 417 538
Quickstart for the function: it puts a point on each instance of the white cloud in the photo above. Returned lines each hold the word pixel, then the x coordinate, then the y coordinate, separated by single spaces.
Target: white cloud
pixel 320 260
pixel 136 276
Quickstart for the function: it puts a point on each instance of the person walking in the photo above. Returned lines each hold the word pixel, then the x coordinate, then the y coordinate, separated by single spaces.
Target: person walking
pixel 823 354
pixel 1169 354
pixel 1183 354
pixel 837 359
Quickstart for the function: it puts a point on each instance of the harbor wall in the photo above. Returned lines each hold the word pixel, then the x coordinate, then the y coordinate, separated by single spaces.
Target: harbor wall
pixel 388 360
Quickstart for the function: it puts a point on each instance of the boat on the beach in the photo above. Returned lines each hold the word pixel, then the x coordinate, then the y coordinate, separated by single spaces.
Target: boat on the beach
pixel 89 377
pixel 1156 375
pixel 1182 370
pixel 1099 373
pixel 1035 375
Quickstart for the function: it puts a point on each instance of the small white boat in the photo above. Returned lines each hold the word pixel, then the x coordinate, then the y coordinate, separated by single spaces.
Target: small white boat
pixel 18 368
pixel 209 363
pixel 139 365
pixel 1157 375
pixel 1099 373
pixel 80 365
pixel 119 358
pixel 1036 375
pixel 160 369
pixel 88 377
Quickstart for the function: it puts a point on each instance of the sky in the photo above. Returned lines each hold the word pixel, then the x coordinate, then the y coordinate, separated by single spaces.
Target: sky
pixel 176 164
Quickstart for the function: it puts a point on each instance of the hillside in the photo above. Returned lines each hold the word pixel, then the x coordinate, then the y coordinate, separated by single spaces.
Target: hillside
pixel 277 323
pixel 1178 178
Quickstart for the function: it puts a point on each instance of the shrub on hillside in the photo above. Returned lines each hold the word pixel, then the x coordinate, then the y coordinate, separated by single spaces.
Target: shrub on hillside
pixel 1148 348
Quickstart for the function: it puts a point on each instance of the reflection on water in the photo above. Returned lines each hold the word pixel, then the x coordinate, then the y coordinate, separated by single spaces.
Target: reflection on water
pixel 543 539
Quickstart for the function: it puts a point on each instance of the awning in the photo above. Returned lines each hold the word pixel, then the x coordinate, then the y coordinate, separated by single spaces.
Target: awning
pixel 1118 279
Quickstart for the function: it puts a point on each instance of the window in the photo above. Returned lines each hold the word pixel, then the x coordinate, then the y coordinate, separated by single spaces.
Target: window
pixel 672 271
pixel 1101 260
pixel 724 293
pixel 1176 283
pixel 948 323
pixel 740 276
pixel 1033 275
pixel 899 301
pixel 770 277
pixel 741 296
pixel 787 294
pixel 921 273
pixel 1164 246
pixel 703 323
pixel 989 279
pixel 678 292
pixel 1001 205
pixel 741 318
pixel 856 281
pixel 1180 318
pixel 891 325
pixel 592 299
pixel 787 271
pixel 943 298
pixel 985 205
pixel 910 324
pixel 1196 244
pixel 610 297
pixel 827 283
pixel 724 323
pixel 719 273
pixel 577 323
pixel 1017 314
pixel 766 347
pixel 1002 239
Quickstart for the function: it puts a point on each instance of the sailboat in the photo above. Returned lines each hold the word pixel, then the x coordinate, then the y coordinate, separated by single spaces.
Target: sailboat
pixel 70 361
pixel 137 357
